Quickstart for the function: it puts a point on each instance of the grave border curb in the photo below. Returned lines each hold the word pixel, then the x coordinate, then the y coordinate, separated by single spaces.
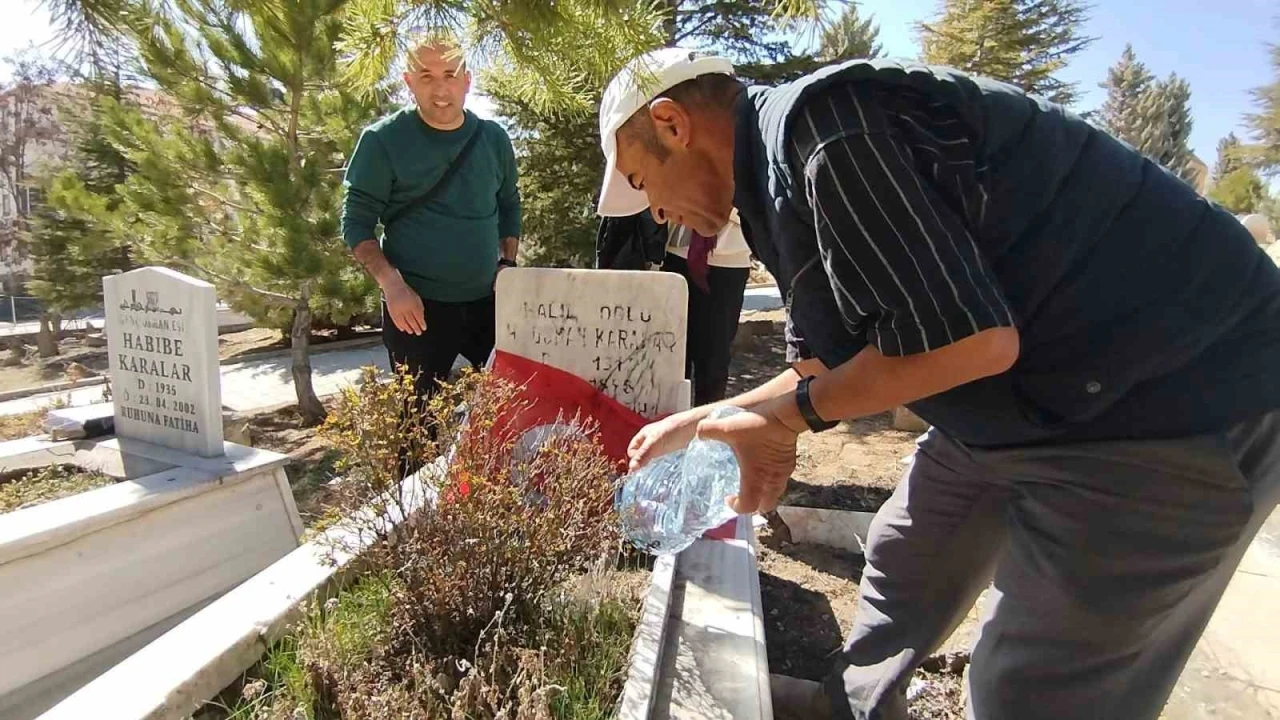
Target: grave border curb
pixel 157 684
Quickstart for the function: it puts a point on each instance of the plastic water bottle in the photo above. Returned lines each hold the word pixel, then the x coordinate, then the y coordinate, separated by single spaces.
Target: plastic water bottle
pixel 668 504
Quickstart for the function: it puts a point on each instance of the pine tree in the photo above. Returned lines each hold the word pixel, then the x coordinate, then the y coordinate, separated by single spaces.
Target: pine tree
pixel 1165 116
pixel 1241 191
pixel 1229 156
pixel 1022 42
pixel 1264 151
pixel 850 36
pixel 238 172
pixel 72 240
pixel 1127 81
pixel 1153 116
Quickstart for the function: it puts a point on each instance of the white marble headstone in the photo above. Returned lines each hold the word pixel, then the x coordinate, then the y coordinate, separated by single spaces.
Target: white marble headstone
pixel 162 336
pixel 623 331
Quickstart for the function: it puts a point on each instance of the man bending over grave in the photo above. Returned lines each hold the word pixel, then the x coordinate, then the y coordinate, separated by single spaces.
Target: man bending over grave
pixel 1095 345
pixel 442 182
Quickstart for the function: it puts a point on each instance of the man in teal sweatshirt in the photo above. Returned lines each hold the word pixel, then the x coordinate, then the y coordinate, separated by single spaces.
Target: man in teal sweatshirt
pixel 442 182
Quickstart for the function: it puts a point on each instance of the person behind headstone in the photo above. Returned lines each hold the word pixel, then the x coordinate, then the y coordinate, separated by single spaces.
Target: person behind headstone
pixel 1095 346
pixel 634 242
pixel 442 183
pixel 716 269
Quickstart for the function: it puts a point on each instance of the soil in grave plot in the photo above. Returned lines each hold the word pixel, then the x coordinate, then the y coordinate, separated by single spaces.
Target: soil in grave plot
pixel 312 460
pixel 810 594
pixel 77 359
pixel 233 346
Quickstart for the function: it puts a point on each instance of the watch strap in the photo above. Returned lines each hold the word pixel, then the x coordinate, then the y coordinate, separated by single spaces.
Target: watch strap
pixel 805 404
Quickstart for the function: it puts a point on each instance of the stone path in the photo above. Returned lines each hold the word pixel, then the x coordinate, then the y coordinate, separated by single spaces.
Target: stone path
pixel 246 386
pixel 256 384
pixel 1234 671
pixel 761 298
pixel 226 318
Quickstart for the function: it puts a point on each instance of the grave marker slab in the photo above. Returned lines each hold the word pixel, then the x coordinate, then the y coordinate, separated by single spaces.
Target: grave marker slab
pixel 623 331
pixel 162 338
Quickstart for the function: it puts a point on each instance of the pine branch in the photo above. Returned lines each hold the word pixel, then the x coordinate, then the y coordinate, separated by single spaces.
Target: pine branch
pixel 270 296
pixel 222 200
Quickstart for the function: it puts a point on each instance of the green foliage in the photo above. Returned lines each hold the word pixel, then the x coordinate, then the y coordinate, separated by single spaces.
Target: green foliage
pixel 73 240
pixel 1230 156
pixel 237 166
pixel 560 48
pixel 50 483
pixel 596 637
pixel 1022 42
pixel 560 170
pixel 1165 112
pixel 1127 81
pixel 1154 116
pixel 1265 122
pixel 559 151
pixel 1241 191
pixel 72 246
pixel 241 181
pixel 850 36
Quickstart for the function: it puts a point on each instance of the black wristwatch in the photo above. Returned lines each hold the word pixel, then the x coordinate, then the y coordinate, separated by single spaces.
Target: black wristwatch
pixel 506 263
pixel 811 417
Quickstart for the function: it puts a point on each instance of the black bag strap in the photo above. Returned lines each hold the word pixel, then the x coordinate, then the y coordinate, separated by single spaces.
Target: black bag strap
pixel 439 185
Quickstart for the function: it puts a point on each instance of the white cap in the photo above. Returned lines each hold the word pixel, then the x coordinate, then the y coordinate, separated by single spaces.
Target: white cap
pixel 643 79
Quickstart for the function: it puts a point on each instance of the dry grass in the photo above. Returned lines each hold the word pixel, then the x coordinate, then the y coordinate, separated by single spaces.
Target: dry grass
pixel 13 427
pixel 488 604
pixel 50 483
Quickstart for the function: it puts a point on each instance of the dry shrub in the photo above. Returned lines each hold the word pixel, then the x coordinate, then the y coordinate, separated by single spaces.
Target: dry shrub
pixel 478 581
pixel 28 488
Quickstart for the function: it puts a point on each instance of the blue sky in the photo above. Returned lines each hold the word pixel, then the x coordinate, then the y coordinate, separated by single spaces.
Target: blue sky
pixel 1219 47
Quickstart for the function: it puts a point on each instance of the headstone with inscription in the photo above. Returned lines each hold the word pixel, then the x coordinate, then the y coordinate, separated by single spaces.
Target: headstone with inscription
pixel 162 336
pixel 623 331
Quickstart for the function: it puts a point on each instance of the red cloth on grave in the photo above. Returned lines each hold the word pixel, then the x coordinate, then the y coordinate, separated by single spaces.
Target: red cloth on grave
pixel 552 396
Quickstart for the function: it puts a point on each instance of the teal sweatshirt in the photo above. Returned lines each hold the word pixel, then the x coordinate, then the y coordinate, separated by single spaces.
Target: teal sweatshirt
pixel 448 249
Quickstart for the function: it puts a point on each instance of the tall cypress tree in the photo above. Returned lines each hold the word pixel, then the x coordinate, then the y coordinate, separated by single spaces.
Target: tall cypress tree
pixel 1153 116
pixel 1127 81
pixel 1022 42
pixel 1165 111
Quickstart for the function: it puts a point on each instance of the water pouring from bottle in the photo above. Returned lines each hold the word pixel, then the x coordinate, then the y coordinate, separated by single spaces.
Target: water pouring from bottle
pixel 668 504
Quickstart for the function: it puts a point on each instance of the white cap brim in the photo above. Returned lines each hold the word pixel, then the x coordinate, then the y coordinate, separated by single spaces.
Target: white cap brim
pixel 617 197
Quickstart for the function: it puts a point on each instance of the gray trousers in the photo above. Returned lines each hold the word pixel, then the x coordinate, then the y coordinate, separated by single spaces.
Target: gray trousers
pixel 1108 559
